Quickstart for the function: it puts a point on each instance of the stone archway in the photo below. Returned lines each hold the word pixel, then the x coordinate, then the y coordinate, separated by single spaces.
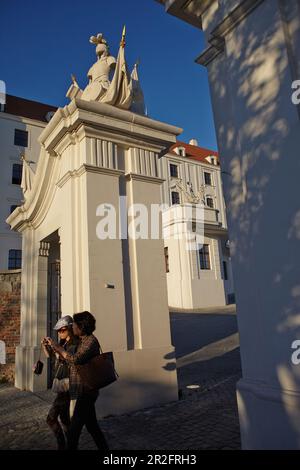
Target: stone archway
pixel 88 151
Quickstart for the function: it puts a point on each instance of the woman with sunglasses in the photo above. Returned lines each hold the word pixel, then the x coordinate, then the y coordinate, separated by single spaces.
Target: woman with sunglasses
pixel 83 399
pixel 60 407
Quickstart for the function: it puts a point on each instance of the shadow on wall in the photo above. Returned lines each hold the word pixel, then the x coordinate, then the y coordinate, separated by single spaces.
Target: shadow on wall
pixel 258 134
pixel 130 395
pixel 136 390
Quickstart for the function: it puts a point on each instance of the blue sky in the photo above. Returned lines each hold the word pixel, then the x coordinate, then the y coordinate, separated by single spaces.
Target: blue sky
pixel 43 42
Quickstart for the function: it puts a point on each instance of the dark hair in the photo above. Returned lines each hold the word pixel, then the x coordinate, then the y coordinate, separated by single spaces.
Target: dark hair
pixel 85 321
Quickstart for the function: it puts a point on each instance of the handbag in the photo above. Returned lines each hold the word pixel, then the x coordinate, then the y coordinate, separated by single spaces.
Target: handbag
pixel 38 366
pixel 61 383
pixel 98 372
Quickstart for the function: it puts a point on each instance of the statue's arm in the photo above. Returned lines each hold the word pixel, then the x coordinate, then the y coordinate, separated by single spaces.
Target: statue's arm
pixel 112 61
pixel 90 74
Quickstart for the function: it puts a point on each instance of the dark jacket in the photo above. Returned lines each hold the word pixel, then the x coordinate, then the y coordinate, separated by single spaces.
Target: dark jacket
pixel 61 367
pixel 88 347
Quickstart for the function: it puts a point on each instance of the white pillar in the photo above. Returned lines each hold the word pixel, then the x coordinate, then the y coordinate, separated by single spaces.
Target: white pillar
pixel 33 313
pixel 252 59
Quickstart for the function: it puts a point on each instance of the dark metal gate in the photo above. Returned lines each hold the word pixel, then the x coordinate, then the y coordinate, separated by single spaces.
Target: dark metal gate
pixel 54 308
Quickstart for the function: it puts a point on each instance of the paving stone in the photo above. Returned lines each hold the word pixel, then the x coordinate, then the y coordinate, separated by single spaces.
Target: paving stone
pixel 204 418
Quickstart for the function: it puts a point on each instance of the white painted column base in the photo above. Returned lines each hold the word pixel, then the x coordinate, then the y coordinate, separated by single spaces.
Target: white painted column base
pixel 269 416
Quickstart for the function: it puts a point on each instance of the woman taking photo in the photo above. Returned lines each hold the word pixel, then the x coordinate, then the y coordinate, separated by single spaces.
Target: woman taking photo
pixel 82 409
pixel 61 405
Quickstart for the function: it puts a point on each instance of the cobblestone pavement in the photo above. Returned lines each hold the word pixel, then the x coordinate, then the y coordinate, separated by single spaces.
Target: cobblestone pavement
pixel 204 418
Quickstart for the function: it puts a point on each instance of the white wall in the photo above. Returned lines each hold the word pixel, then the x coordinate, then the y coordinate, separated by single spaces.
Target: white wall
pixel 258 130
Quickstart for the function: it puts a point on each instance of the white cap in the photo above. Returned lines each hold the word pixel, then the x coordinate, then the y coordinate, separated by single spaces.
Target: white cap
pixel 67 320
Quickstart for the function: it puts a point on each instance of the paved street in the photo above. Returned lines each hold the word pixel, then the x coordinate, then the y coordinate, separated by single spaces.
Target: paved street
pixel 204 418
pixel 207 348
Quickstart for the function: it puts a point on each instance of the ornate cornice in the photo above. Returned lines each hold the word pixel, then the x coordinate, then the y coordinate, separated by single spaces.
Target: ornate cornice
pixel 144 178
pixel 235 17
pixel 85 168
pixel 189 11
pixel 69 126
pixel 104 117
pixel 218 34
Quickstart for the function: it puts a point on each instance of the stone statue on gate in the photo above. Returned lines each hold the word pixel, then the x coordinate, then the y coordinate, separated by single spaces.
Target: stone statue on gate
pixel 109 80
pixel 99 73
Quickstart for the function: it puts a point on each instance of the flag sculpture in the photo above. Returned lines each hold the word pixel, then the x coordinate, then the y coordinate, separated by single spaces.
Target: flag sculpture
pixel 109 79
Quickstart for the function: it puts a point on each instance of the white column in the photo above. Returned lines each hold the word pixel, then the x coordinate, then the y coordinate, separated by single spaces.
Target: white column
pixel 258 132
pixel 33 313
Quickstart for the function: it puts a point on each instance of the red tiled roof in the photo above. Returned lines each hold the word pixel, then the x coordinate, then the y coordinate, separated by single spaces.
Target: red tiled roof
pixel 194 152
pixel 27 108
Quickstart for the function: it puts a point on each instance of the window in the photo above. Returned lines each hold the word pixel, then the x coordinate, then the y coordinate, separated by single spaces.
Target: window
pixel 173 171
pixel 204 257
pixel 21 138
pixel 207 178
pixel 210 202
pixel 167 259
pixel 14 259
pixel 181 151
pixel 225 271
pixel 175 197
pixel 12 208
pixel 16 173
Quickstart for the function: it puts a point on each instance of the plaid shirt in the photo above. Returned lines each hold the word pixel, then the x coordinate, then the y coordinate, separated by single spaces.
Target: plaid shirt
pixel 88 347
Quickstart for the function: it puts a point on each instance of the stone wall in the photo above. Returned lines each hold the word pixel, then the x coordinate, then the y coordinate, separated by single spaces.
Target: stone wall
pixel 10 294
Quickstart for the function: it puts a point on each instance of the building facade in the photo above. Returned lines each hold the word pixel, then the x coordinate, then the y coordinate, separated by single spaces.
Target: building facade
pixel 201 277
pixel 192 283
pixel 21 123
pixel 252 57
pixel 101 160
